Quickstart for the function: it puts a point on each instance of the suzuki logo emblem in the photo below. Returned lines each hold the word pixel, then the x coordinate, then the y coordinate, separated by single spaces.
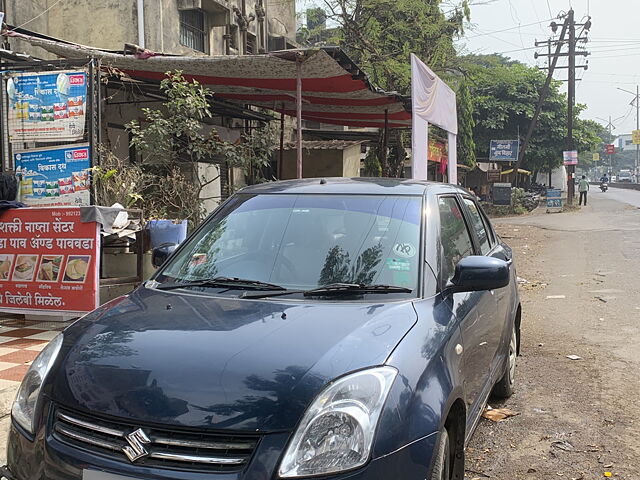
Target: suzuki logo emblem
pixel 136 448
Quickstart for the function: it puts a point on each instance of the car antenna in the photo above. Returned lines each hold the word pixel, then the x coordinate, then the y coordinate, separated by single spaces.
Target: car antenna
pixel 323 181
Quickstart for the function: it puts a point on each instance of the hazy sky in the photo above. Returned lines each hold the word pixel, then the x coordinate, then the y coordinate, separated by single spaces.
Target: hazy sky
pixel 614 43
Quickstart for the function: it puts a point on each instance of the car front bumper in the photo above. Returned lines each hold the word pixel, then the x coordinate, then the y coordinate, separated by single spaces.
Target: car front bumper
pixel 52 460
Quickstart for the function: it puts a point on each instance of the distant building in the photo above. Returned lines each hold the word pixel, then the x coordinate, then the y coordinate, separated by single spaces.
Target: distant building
pixel 623 143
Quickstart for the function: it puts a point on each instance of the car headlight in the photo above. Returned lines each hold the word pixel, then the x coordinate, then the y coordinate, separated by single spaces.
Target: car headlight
pixel 26 402
pixel 337 430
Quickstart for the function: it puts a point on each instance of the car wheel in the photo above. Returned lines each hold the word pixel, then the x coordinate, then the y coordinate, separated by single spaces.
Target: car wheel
pixel 504 388
pixel 442 464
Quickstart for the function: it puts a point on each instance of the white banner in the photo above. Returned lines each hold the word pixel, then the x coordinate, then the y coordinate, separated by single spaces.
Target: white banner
pixel 432 102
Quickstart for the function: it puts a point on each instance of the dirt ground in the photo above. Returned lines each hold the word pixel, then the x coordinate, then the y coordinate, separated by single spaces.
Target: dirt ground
pixel 578 419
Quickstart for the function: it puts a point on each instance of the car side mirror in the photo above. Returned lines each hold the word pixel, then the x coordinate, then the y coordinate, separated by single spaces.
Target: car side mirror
pixel 477 273
pixel 161 253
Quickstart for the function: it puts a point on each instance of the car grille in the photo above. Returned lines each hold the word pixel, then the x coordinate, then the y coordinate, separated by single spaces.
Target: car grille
pixel 171 449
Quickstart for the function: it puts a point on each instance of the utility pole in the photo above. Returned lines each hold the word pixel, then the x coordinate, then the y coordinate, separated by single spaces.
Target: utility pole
pixel 572 100
pixel 571 53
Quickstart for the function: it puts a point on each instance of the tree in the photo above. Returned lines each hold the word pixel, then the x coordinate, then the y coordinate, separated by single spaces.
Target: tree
pixel 381 34
pixel 466 124
pixel 505 94
pixel 173 142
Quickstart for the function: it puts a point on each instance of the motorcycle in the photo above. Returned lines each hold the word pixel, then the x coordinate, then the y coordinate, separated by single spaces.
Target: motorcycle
pixel 604 186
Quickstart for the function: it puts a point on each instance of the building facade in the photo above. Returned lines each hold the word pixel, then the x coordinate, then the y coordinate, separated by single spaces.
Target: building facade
pixel 186 27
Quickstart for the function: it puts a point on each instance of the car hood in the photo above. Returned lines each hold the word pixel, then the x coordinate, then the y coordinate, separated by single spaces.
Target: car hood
pixel 218 363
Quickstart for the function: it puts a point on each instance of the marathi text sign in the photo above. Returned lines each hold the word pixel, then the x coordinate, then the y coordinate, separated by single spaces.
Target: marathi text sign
pixel 54 177
pixel 503 150
pixel 47 106
pixel 48 261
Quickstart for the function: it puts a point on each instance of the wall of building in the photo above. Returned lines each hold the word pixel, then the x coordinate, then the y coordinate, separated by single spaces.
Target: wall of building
pixel 315 163
pixel 112 23
pixel 351 161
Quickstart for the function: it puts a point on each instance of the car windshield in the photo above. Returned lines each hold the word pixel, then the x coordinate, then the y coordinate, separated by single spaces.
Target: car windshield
pixel 306 241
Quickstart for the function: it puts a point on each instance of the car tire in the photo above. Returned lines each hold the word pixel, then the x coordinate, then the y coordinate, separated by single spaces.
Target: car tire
pixel 442 462
pixel 504 387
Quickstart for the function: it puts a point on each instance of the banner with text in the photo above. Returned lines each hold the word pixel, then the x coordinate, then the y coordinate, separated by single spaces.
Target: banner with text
pixel 47 106
pixel 54 177
pixel 48 261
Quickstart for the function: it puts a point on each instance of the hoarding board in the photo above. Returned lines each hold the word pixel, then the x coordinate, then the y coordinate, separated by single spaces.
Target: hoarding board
pixel 47 106
pixel 48 261
pixel 54 176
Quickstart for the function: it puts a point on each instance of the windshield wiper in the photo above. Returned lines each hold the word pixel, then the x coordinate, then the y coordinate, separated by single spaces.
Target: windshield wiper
pixel 346 288
pixel 334 289
pixel 230 282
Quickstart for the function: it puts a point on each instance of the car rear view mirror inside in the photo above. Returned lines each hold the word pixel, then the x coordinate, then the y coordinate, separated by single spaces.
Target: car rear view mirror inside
pixel 477 273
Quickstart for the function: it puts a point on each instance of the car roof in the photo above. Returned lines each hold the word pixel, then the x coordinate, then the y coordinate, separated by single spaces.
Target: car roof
pixel 357 185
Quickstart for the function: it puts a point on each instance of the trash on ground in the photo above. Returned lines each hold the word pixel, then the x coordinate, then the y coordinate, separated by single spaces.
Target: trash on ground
pixel 563 445
pixel 574 357
pixel 556 296
pixel 498 414
pixel 522 280
pixel 608 474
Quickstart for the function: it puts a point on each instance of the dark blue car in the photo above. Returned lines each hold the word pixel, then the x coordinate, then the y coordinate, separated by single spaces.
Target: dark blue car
pixel 321 328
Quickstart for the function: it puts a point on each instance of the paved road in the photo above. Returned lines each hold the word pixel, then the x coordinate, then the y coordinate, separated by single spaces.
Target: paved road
pixel 631 197
pixel 578 418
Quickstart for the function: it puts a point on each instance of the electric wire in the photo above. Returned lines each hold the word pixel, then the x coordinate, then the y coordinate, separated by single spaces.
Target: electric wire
pixel 37 16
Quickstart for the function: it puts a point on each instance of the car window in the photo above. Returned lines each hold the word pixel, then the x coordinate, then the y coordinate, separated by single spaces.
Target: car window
pixel 493 239
pixel 306 241
pixel 454 237
pixel 478 226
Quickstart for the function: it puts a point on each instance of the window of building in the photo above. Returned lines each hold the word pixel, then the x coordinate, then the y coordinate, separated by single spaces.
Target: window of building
pixel 193 30
pixel 627 142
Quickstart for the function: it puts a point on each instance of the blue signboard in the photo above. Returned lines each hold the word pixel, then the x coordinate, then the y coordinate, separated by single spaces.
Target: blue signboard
pixel 554 200
pixel 503 151
pixel 54 177
pixel 46 106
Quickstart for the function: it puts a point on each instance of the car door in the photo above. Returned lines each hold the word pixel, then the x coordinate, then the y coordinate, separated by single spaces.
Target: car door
pixel 456 242
pixel 494 315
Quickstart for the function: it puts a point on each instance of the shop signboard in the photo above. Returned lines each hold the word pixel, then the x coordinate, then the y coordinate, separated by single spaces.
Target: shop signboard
pixel 47 106
pixel 493 176
pixel 504 150
pixel 48 261
pixel 54 176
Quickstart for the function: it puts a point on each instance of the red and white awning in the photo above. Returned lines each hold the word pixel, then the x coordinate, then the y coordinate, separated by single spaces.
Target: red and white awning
pixel 334 90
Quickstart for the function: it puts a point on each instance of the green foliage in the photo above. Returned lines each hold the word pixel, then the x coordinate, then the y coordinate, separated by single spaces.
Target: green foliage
pixel 505 94
pixel 381 34
pixel 173 141
pixel 115 181
pixel 372 166
pixel 466 124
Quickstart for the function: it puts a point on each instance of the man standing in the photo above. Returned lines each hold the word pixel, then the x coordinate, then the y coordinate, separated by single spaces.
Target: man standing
pixel 583 188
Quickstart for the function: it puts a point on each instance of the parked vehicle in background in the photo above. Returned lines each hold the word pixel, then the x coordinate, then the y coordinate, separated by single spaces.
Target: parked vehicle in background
pixel 625 176
pixel 351 328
